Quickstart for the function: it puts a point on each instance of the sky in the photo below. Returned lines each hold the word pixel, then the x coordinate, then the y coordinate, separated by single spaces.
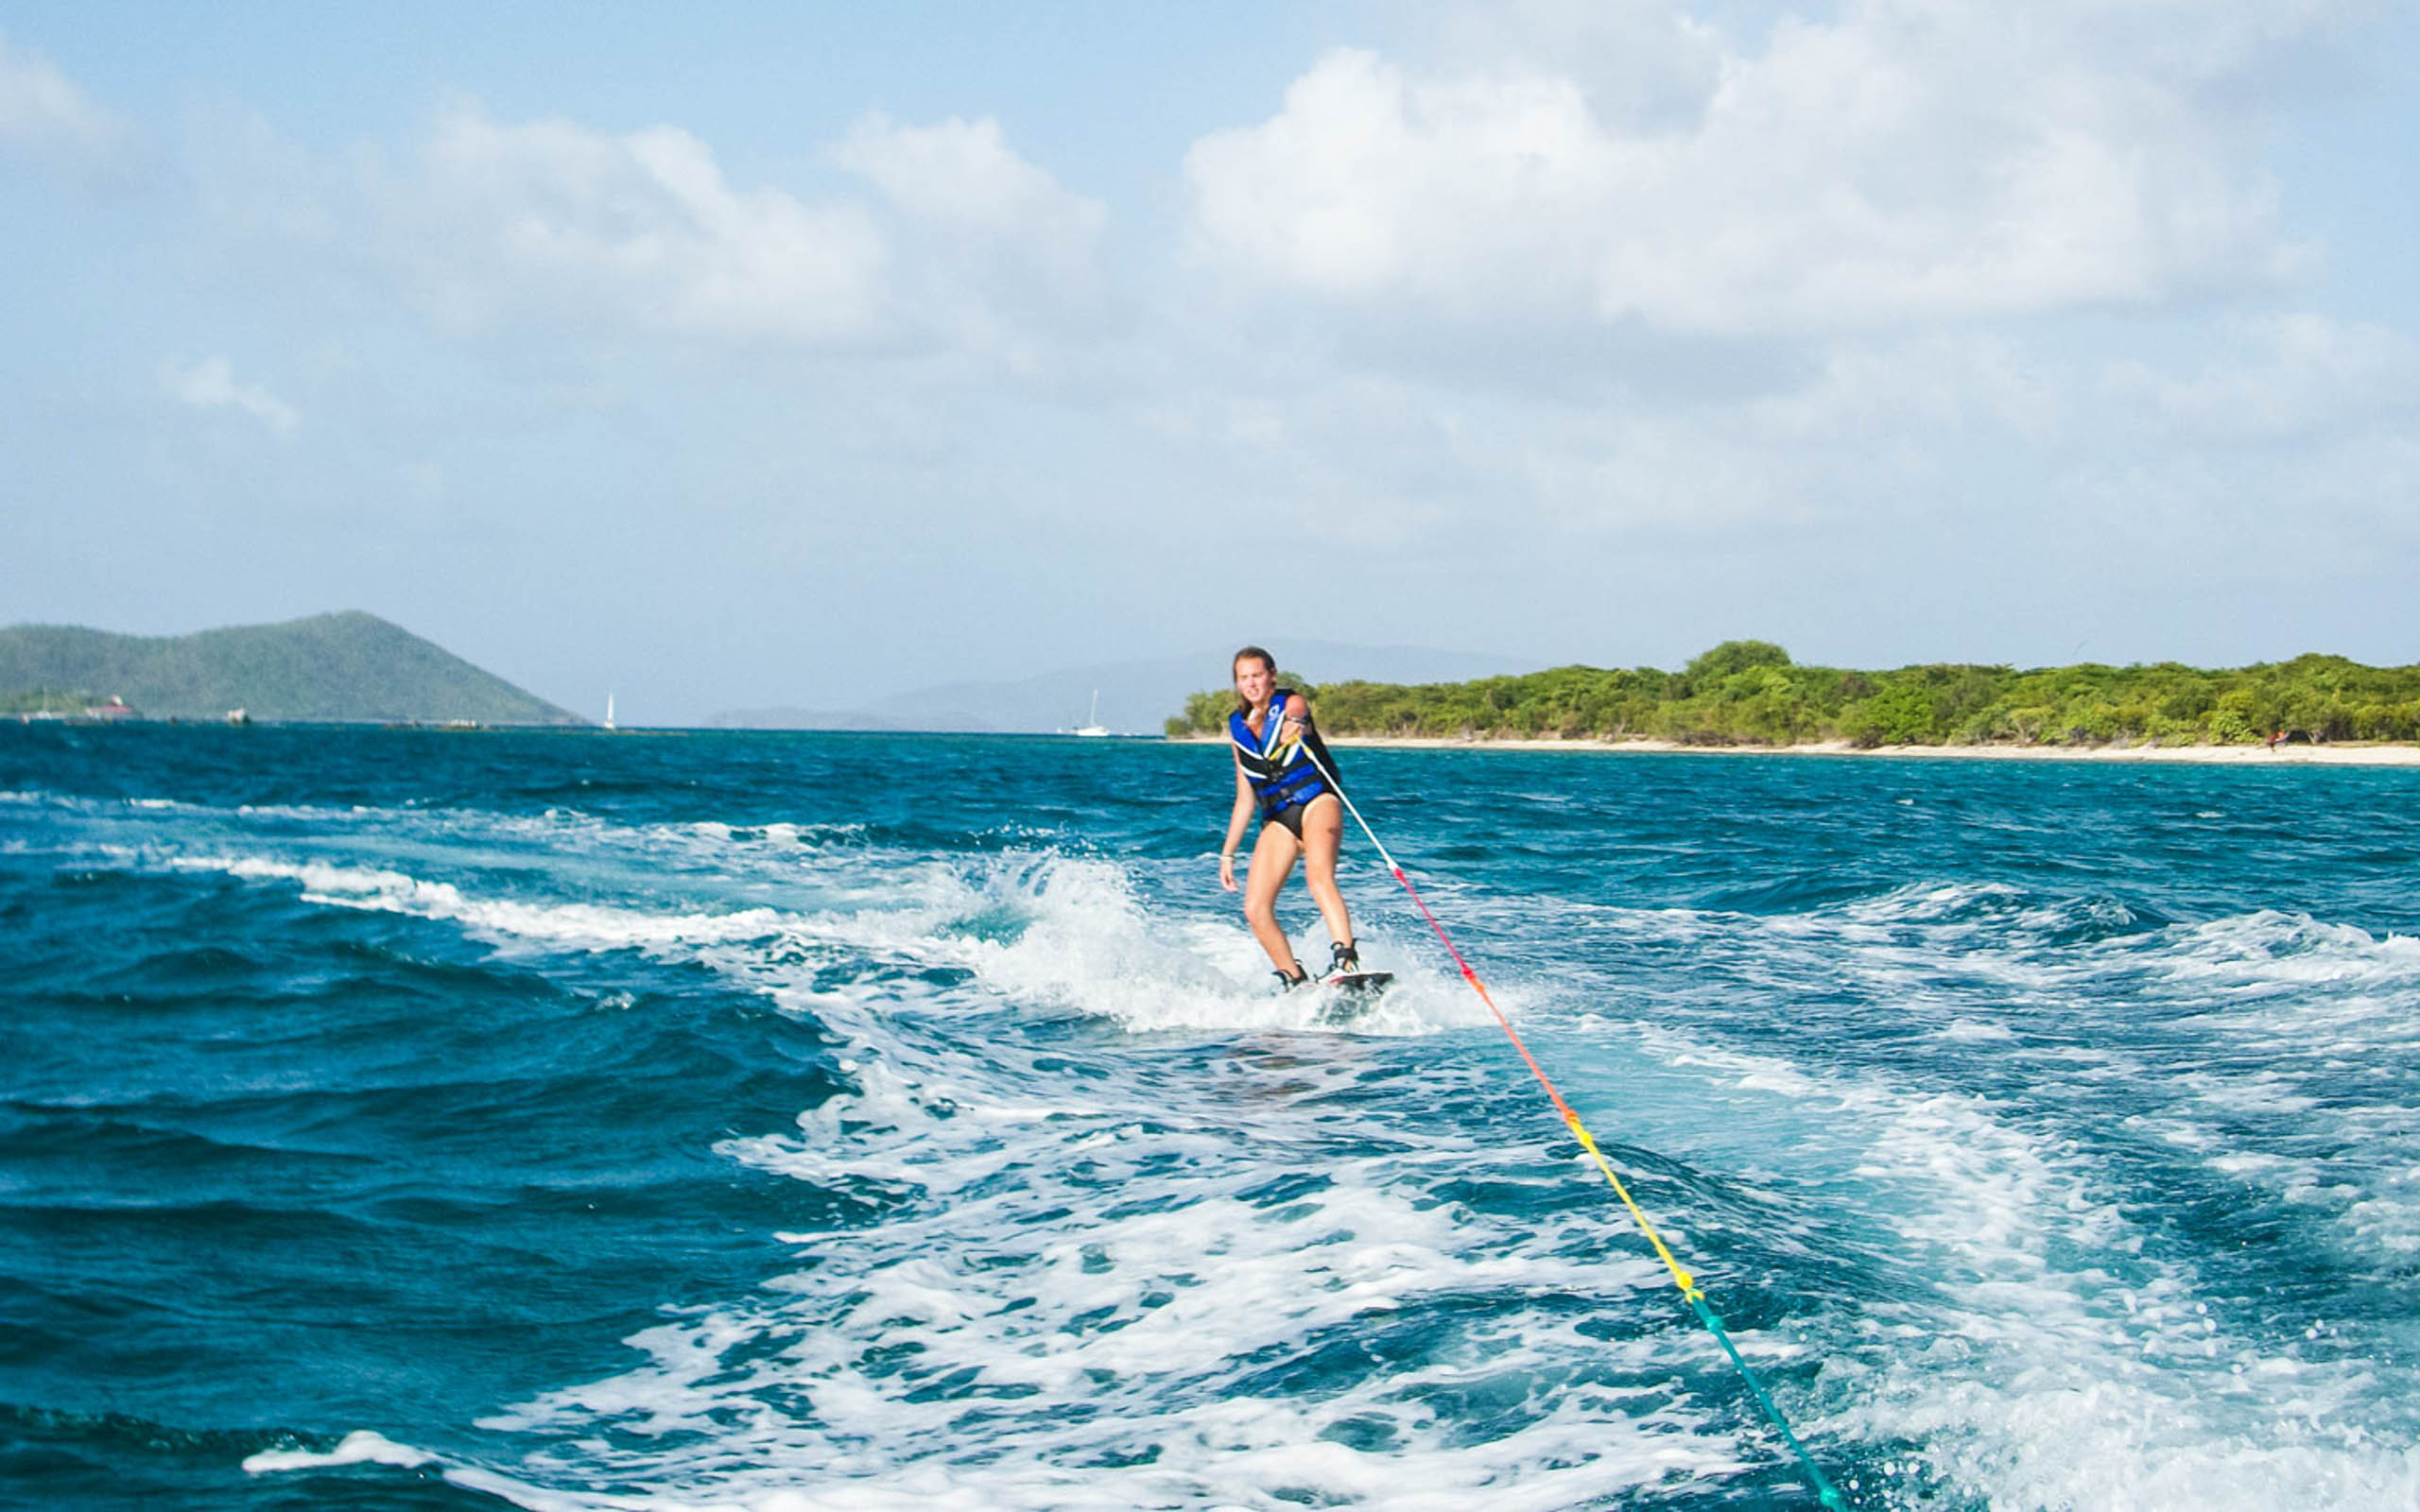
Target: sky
pixel 729 355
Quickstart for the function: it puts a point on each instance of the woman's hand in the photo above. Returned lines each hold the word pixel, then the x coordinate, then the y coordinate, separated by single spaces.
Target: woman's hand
pixel 1227 870
pixel 1292 718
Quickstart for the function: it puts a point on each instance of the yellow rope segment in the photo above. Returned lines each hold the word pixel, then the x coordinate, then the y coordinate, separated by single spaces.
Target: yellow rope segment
pixel 1680 1278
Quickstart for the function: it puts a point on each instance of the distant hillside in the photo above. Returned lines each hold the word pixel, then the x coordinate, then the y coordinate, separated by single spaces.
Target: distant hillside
pixel 349 666
pixel 1134 695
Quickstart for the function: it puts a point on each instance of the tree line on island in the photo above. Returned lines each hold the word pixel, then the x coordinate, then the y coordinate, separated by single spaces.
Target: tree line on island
pixel 1750 692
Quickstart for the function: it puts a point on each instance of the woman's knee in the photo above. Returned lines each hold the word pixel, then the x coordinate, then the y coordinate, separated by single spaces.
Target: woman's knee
pixel 1260 910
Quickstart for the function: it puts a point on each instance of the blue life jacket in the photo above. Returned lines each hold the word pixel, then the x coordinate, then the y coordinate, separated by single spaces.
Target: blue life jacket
pixel 1284 775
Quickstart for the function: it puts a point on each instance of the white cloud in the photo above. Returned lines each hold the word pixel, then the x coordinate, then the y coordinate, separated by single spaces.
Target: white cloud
pixel 964 177
pixel 210 384
pixel 1867 392
pixel 2289 376
pixel 44 115
pixel 1643 64
pixel 993 254
pixel 553 219
pixel 1907 161
pixel 942 239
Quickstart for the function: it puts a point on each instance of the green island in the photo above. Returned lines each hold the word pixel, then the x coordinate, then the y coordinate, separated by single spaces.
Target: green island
pixel 347 667
pixel 1750 692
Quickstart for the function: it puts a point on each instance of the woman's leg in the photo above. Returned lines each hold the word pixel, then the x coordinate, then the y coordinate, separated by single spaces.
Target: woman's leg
pixel 1322 834
pixel 1272 857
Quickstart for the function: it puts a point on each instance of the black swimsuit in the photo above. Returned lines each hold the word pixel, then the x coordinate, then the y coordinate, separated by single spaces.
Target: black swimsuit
pixel 1292 815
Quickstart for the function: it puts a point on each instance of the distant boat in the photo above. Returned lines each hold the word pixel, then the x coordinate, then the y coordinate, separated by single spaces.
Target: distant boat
pixel 1092 725
pixel 609 710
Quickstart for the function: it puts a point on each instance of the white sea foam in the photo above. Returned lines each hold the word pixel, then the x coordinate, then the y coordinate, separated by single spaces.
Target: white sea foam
pixel 2258 1040
pixel 360 1446
pixel 2269 947
pixel 1090 1271
pixel 2052 1364
pixel 1109 1251
pixel 1975 1031
pixel 2302 1000
pixel 584 924
pixel 1102 1288
pixel 1087 944
pixel 1047 931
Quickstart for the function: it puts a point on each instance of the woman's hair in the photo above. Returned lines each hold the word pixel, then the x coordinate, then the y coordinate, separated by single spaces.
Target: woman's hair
pixel 1257 654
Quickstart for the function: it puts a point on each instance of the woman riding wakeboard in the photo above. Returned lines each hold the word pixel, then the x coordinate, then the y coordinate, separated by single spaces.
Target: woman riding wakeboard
pixel 1283 769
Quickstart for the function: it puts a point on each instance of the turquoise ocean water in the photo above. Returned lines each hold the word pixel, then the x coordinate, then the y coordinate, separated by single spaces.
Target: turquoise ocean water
pixel 406 1119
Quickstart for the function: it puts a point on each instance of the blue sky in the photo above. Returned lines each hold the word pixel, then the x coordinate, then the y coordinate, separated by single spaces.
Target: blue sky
pixel 737 355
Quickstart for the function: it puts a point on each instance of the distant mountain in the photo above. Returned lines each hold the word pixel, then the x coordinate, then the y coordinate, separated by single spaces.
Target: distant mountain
pixel 1136 697
pixel 349 666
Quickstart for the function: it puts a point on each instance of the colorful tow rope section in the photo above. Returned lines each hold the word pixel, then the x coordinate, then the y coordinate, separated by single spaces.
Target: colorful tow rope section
pixel 1824 1491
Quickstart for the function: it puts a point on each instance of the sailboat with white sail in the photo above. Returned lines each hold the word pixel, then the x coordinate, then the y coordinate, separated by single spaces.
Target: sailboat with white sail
pixel 1092 725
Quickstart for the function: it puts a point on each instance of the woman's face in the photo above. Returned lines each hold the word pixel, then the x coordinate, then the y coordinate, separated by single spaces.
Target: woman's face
pixel 1255 679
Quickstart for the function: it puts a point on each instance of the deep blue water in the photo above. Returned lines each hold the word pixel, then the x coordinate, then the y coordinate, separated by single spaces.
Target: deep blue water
pixel 426 1120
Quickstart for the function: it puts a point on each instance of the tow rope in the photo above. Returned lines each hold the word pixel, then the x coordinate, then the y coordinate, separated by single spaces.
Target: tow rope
pixel 1825 1492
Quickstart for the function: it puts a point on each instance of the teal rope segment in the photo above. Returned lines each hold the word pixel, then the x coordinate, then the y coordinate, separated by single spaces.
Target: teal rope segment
pixel 1825 1491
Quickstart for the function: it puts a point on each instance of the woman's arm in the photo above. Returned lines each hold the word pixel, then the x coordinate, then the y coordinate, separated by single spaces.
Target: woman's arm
pixel 1236 818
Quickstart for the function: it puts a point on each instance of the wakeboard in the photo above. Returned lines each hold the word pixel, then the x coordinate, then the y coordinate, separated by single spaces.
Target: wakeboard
pixel 1360 984
pixel 1351 994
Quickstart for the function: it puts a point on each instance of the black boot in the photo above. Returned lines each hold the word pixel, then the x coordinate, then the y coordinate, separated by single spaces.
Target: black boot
pixel 1287 983
pixel 1343 959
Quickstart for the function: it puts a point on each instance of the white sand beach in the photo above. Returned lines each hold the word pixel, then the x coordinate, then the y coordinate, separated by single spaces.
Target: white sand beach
pixel 2338 754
